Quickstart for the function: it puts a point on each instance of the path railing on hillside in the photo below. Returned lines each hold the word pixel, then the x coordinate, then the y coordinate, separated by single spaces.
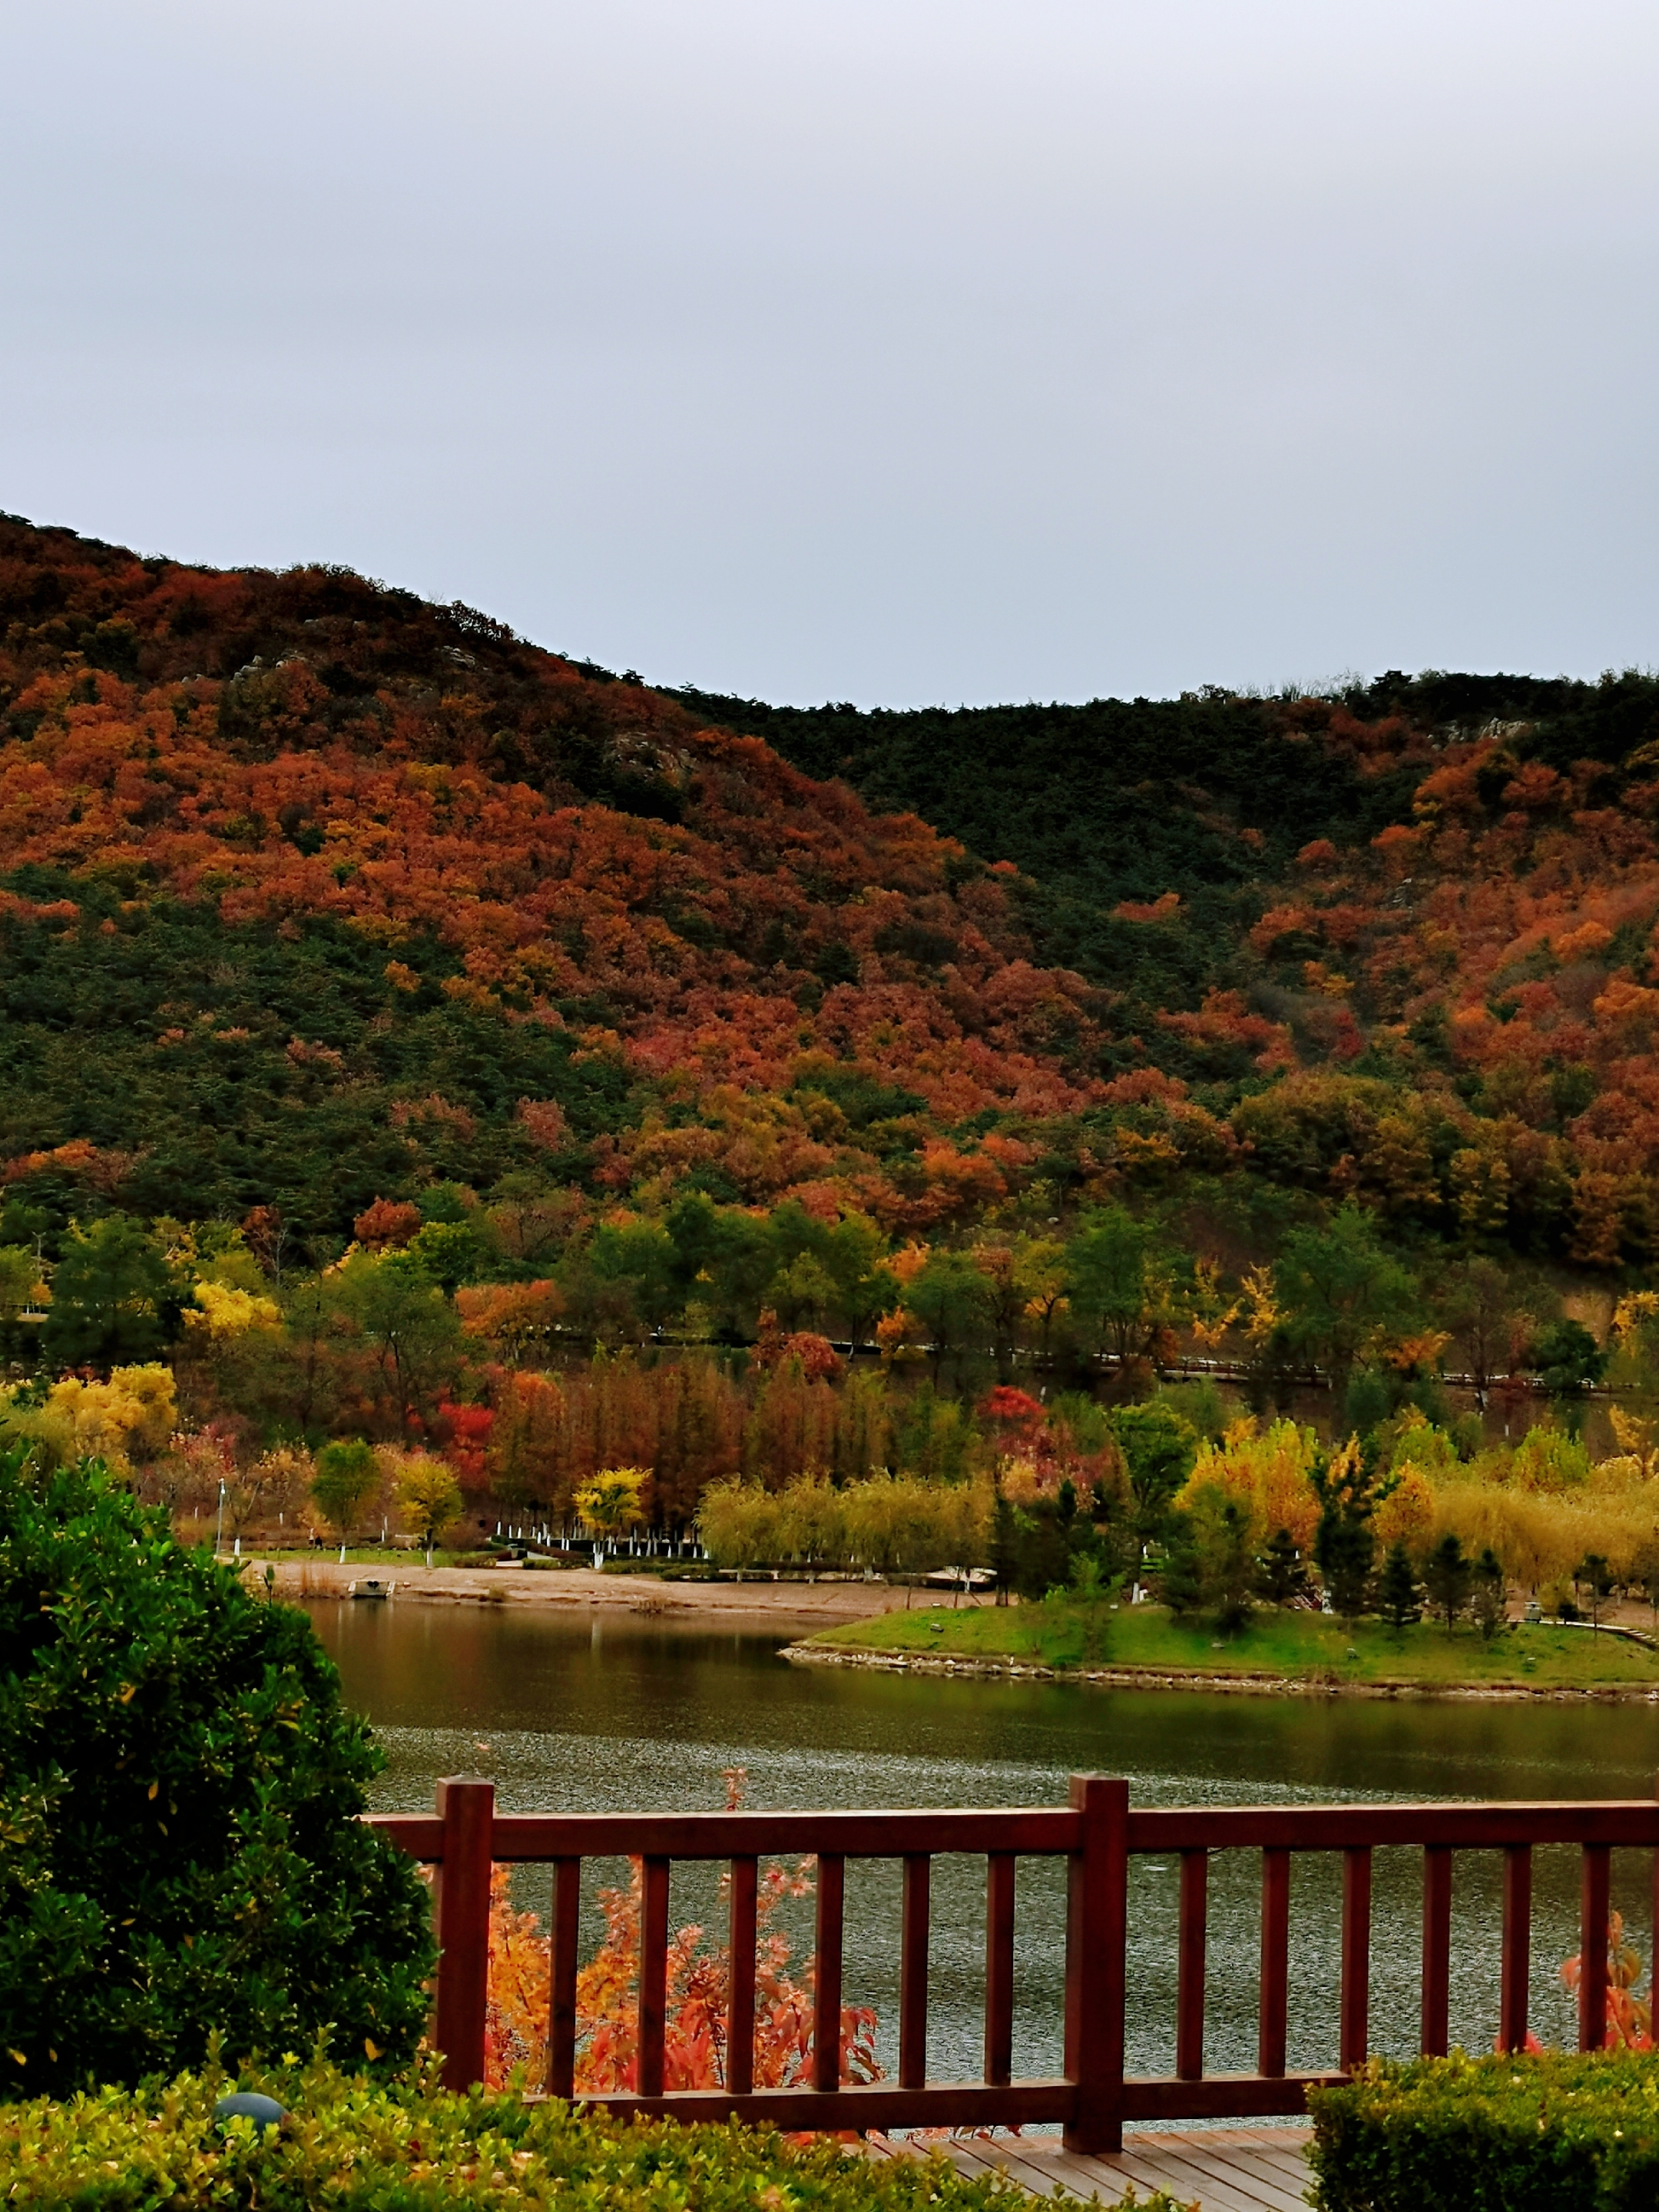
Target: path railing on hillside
pixel 1096 1834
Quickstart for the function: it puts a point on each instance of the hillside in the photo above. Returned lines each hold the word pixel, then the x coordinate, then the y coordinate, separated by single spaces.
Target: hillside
pixel 314 894
pixel 1425 908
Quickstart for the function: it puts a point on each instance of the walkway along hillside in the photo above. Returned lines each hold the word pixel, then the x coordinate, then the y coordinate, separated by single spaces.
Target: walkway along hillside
pixel 1096 1833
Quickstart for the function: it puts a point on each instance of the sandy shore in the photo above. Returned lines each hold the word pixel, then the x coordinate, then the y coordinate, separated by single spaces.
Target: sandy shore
pixel 797 1608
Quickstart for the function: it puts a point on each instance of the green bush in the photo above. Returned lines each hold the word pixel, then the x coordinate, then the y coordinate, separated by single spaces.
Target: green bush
pixel 350 2143
pixel 179 1853
pixel 1533 2134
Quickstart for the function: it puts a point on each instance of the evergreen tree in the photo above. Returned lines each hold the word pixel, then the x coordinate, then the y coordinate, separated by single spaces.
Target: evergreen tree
pixel 1489 1594
pixel 1350 1485
pixel 1448 1575
pixel 1228 1566
pixel 1398 1593
pixel 1005 1546
pixel 1182 1580
pixel 1280 1575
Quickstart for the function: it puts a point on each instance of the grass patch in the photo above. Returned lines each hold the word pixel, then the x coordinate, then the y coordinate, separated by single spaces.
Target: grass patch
pixel 1297 1646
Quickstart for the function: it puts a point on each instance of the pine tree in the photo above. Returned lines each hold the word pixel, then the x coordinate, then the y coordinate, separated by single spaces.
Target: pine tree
pixel 1182 1581
pixel 1280 1575
pixel 1005 1547
pixel 1229 1568
pixel 1350 1485
pixel 1489 1602
pixel 1448 1575
pixel 1398 1593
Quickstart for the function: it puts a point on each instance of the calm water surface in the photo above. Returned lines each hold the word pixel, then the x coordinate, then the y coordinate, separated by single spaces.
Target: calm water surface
pixel 580 1714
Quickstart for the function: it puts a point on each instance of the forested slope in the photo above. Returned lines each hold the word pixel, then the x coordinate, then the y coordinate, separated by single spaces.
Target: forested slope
pixel 312 893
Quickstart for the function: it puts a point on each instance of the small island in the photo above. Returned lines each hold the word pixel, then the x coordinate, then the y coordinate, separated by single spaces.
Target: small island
pixel 1279 1651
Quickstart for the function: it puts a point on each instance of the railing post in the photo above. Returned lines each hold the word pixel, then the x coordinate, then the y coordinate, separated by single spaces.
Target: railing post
pixel 466 1806
pixel 1097 1947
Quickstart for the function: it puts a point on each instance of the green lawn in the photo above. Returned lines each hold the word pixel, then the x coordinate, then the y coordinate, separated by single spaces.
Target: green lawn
pixel 1306 1646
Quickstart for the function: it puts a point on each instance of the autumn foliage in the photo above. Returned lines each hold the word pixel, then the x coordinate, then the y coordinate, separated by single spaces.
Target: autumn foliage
pixel 696 2037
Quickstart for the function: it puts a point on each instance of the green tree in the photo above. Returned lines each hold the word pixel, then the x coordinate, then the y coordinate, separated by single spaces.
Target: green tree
pixel 1447 1576
pixel 1158 1450
pixel 449 1251
pixel 115 1301
pixel 1005 1545
pixel 1340 1294
pixel 1280 1574
pixel 1489 1594
pixel 1569 1363
pixel 1350 1485
pixel 1181 1582
pixel 1120 1282
pixel 1221 1533
pixel 952 1299
pixel 348 1475
pixel 1398 1595
pixel 179 1788
pixel 404 1317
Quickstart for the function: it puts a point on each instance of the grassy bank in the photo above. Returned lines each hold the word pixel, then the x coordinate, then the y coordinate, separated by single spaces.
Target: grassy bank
pixel 1070 1636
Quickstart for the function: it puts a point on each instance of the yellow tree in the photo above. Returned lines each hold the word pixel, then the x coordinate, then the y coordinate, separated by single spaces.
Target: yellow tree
pixel 610 1501
pixel 429 1496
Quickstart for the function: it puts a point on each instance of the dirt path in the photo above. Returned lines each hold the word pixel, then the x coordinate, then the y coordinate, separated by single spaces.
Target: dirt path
pixel 796 1607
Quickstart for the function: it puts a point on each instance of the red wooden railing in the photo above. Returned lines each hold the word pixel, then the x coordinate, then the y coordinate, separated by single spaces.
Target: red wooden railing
pixel 1096 1834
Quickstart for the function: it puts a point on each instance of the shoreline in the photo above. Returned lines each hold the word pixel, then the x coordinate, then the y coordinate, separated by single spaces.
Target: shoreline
pixel 1235 1685
pixel 792 1605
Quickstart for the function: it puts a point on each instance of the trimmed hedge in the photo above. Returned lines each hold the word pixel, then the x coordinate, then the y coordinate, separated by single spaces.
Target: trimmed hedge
pixel 1555 2133
pixel 352 2145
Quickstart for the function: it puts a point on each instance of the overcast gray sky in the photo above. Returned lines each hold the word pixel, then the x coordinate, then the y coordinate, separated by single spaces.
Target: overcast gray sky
pixel 896 350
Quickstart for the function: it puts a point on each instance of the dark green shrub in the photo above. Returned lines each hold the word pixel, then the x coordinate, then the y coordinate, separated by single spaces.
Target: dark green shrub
pixel 358 2148
pixel 1532 2133
pixel 180 1852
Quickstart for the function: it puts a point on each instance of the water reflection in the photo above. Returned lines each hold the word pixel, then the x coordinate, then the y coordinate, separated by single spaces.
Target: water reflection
pixel 587 1714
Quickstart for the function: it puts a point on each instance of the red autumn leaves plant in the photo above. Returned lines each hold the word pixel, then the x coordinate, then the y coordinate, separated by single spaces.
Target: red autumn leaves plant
pixel 697 2036
pixel 1630 2018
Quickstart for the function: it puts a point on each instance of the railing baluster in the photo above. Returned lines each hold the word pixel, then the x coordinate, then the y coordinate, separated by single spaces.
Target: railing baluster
pixel 999 1968
pixel 561 1978
pixel 1189 1971
pixel 1593 1946
pixel 913 1971
pixel 1356 1953
pixel 826 1987
pixel 1275 1962
pixel 1517 1947
pixel 461 1911
pixel 740 1991
pixel 654 1974
pixel 1437 1949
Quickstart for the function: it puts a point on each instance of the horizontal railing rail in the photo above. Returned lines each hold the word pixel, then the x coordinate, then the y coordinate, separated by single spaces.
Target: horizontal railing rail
pixel 1096 1834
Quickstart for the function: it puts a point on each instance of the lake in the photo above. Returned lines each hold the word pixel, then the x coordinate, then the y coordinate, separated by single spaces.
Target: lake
pixel 590 1713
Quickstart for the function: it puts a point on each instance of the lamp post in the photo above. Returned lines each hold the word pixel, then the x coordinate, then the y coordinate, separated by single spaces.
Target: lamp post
pixel 219 1533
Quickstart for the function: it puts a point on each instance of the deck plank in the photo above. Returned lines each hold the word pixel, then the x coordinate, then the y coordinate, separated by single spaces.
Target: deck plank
pixel 1191 2177
pixel 1223 2169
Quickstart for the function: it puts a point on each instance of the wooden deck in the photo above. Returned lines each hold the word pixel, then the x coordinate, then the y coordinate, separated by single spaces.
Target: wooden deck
pixel 1234 2169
